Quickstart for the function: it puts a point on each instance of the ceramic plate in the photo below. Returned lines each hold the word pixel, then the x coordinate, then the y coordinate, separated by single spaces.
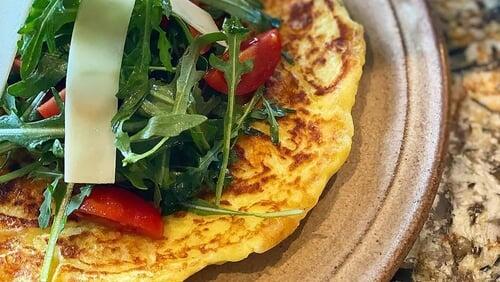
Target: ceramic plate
pixel 370 215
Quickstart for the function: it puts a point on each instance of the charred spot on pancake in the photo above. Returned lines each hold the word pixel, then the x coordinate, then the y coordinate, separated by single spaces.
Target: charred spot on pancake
pixel 330 5
pixel 338 44
pixel 198 221
pixel 24 194
pixel 180 214
pixel 314 132
pixel 320 61
pixel 302 131
pixel 67 249
pixel 270 205
pixel 299 159
pixel 242 187
pixel 240 152
pixel 10 222
pixel 225 203
pixel 284 87
pixel 301 16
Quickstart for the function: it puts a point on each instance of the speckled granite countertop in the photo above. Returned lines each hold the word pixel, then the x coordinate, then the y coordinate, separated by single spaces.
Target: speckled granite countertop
pixel 461 239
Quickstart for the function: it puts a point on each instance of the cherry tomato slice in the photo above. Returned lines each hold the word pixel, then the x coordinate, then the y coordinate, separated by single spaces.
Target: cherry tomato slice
pixel 118 207
pixel 50 108
pixel 265 50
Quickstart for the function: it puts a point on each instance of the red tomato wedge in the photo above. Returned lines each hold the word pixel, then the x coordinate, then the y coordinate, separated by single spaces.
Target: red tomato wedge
pixel 50 108
pixel 118 207
pixel 265 50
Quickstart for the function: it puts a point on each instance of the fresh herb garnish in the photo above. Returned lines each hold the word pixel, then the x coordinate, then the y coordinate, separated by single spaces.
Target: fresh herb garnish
pixel 30 134
pixel 271 112
pixel 205 208
pixel 233 71
pixel 65 205
pixel 188 77
pixel 135 84
pixel 19 173
pixel 46 18
pixel 51 70
pixel 51 192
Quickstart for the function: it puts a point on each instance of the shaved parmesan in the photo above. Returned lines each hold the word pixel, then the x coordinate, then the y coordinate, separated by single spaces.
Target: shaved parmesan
pixel 195 16
pixel 13 14
pixel 93 79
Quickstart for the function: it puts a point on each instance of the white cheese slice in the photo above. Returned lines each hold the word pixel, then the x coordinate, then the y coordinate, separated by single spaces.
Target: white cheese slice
pixel 94 65
pixel 13 14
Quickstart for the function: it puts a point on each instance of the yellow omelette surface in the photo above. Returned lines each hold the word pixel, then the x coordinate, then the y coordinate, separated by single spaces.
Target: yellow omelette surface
pixel 329 51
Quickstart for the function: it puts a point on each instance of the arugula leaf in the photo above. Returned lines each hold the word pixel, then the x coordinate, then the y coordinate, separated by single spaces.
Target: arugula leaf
pixel 6 147
pixel 162 93
pixel 30 114
pixel 205 107
pixel 187 184
pixel 199 137
pixel 33 134
pixel 161 174
pixel 57 226
pixel 204 208
pixel 137 174
pixel 162 169
pixel 19 173
pixel 271 112
pixel 188 77
pixel 233 71
pixel 164 46
pixel 162 8
pixel 136 86
pixel 257 4
pixel 243 121
pixel 50 71
pixel 271 119
pixel 46 207
pixel 45 19
pixel 202 134
pixel 187 80
pixel 247 10
pixel 160 99
pixel 76 201
pixel 9 104
pixel 64 208
pixel 168 126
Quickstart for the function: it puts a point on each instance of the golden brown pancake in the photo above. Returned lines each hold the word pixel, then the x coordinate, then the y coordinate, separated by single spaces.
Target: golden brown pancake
pixel 329 52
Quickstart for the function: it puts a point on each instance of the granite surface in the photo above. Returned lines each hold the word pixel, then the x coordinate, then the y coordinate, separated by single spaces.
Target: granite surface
pixel 461 239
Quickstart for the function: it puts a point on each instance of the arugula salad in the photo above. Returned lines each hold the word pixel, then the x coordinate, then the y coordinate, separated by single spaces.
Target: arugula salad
pixel 191 81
